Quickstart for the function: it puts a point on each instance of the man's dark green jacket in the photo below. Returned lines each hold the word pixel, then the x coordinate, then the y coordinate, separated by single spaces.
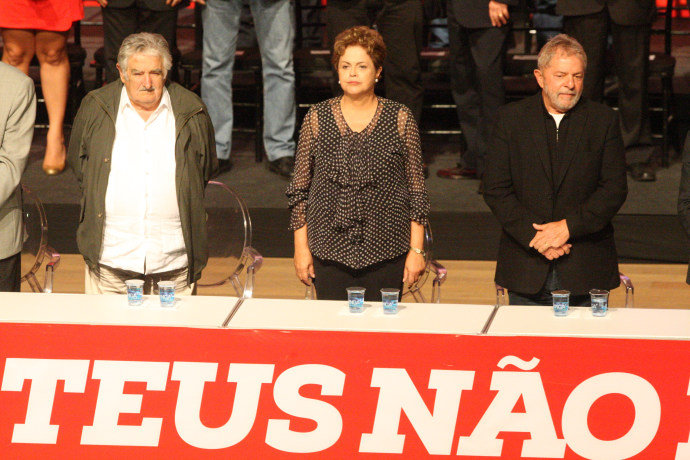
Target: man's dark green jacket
pixel 89 155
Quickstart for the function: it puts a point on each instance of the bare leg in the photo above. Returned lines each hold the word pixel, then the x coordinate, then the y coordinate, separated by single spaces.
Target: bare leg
pixel 18 48
pixel 52 56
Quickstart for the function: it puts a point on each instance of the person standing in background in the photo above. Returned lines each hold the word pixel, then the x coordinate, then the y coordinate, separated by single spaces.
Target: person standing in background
pixel 275 32
pixel 629 23
pixel 41 28
pixel 401 24
pixel 122 18
pixel 478 30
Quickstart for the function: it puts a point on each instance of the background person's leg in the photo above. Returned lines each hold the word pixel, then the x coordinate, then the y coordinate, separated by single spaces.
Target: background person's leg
pixel 401 24
pixel 18 48
pixel 488 53
pixel 221 21
pixel 275 32
pixel 165 24
pixel 341 15
pixel 118 23
pixel 591 30
pixel 463 85
pixel 52 56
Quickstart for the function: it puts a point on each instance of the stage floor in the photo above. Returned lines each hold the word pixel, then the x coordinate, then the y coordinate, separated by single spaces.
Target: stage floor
pixel 468 282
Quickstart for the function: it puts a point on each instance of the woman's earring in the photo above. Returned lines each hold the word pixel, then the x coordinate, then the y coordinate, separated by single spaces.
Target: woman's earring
pixel 376 80
pixel 338 81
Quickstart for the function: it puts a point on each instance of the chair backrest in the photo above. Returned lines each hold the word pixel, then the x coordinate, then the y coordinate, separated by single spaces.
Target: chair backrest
pixel 229 229
pixel 35 249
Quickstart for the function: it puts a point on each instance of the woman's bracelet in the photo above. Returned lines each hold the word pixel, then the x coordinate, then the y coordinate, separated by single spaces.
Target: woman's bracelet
pixel 418 251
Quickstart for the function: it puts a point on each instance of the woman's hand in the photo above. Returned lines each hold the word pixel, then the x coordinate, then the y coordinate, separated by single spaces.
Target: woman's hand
pixel 304 265
pixel 304 262
pixel 414 267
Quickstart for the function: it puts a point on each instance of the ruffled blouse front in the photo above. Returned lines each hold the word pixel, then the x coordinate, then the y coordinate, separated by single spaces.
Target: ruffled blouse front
pixel 358 191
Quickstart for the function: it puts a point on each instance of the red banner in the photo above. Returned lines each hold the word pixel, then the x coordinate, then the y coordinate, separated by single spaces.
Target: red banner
pixel 71 391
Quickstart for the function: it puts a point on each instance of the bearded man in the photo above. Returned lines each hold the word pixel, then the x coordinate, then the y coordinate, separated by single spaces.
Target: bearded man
pixel 555 178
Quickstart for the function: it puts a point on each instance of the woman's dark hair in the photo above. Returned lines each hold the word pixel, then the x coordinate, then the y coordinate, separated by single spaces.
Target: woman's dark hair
pixel 363 36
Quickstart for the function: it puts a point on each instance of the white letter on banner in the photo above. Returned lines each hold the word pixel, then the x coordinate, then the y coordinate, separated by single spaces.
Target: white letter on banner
pixel 536 419
pixel 44 374
pixel 192 377
pixel 647 416
pixel 329 423
pixel 112 402
pixel 683 451
pixel 398 393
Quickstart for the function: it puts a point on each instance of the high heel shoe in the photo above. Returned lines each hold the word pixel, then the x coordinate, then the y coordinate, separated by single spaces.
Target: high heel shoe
pixel 54 168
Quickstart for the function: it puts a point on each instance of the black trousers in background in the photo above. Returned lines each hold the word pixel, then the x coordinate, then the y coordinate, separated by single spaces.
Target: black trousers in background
pixel 477 60
pixel 631 54
pixel 400 22
pixel 332 278
pixel 10 273
pixel 118 23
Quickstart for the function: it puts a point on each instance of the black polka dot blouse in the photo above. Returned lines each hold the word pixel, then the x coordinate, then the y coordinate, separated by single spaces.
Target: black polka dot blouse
pixel 357 192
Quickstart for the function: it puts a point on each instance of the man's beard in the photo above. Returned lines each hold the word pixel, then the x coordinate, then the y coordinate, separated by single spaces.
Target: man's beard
pixel 563 107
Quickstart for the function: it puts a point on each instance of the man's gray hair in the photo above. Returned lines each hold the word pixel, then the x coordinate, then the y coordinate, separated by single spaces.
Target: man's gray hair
pixel 560 43
pixel 144 43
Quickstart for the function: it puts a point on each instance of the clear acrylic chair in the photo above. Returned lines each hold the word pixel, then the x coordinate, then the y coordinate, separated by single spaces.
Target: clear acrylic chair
pixel 433 267
pixel 36 251
pixel 229 228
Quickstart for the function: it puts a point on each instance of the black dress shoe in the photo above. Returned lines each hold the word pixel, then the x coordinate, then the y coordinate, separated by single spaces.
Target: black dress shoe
pixel 642 172
pixel 282 166
pixel 224 166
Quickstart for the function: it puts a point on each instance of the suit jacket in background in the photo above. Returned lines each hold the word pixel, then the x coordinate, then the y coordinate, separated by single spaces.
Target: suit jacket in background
pixel 153 5
pixel 17 114
pixel 587 189
pixel 622 12
pixel 474 14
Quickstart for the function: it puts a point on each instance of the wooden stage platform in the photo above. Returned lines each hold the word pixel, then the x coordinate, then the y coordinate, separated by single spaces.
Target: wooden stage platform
pixel 469 282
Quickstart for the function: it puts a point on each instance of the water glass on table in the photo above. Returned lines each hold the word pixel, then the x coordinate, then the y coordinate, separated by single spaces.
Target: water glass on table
pixel 599 301
pixel 135 292
pixel 355 299
pixel 166 292
pixel 561 302
pixel 389 298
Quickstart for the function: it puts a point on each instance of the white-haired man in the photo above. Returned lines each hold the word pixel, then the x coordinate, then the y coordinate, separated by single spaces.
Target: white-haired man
pixel 555 179
pixel 142 149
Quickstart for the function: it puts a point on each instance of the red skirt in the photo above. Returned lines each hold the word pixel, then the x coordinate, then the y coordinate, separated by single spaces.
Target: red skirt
pixel 54 15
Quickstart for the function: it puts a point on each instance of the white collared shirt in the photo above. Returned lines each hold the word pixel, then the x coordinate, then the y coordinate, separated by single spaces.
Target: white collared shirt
pixel 142 231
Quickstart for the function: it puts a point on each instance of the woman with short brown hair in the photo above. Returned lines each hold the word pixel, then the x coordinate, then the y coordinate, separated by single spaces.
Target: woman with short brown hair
pixel 358 200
